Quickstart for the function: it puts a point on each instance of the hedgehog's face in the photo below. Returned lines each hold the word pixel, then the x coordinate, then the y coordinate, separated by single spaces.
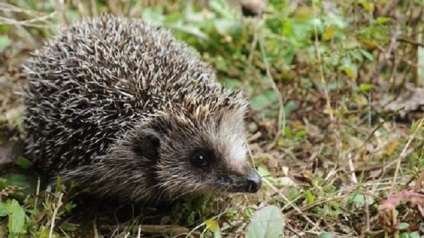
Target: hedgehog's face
pixel 209 156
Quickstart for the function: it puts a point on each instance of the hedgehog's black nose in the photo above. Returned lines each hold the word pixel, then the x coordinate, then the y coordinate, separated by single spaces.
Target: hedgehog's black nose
pixel 254 182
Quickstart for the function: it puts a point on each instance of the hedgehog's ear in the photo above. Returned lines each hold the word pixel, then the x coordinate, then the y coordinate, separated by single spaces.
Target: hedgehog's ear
pixel 147 143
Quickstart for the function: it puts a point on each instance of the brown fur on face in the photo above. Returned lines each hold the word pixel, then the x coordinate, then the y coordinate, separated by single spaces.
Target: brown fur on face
pixel 125 110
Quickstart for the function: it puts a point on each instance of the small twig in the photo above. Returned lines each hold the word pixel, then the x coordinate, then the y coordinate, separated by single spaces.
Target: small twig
pixel 390 164
pixel 253 137
pixel 289 203
pixel 386 54
pixel 55 211
pixel 370 135
pixel 30 22
pixel 336 196
pixel 281 124
pixel 367 214
pixel 37 193
pixel 320 62
pixel 402 155
pixel 81 8
pixel 293 231
pixel 253 44
pixel 352 169
pixel 406 40
pixel 96 232
pixel 139 232
pixel 6 7
pixel 203 224
pixel 59 7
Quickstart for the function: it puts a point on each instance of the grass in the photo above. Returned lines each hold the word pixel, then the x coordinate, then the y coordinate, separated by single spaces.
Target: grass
pixel 336 126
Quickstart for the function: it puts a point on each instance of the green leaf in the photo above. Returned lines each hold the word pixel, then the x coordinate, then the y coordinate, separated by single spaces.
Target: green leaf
pixel 16 217
pixel 4 42
pixel 217 234
pixel 367 55
pixel 303 13
pixel 421 162
pixel 221 64
pixel 18 180
pixel 44 232
pixel 361 199
pixel 382 20
pixel 365 87
pixel 301 134
pixel 288 28
pixel 69 227
pixel 329 33
pixel 249 211
pixel 263 172
pixel 3 209
pixel 414 234
pixel 288 55
pixel 194 17
pixel 263 99
pixel 221 7
pixel 228 27
pixel 153 15
pixel 290 106
pixel 212 225
pixel 358 198
pixel 287 133
pixel 403 226
pixel 4 29
pixel 367 6
pixel 23 162
pixel 259 101
pixel 190 218
pixel 267 222
pixel 350 71
pixel 190 29
pixel 310 198
pixel 326 235
pixel 231 83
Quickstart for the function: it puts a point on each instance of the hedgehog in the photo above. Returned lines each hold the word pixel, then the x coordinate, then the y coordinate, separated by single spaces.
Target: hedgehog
pixel 123 109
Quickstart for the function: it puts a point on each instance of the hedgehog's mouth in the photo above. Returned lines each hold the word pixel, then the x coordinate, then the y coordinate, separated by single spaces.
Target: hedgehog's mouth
pixel 254 183
pixel 248 184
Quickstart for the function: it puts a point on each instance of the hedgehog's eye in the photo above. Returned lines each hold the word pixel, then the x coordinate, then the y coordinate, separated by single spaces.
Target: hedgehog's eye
pixel 200 159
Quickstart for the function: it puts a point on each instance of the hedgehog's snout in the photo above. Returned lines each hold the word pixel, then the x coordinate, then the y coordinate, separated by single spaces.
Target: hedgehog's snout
pixel 254 182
